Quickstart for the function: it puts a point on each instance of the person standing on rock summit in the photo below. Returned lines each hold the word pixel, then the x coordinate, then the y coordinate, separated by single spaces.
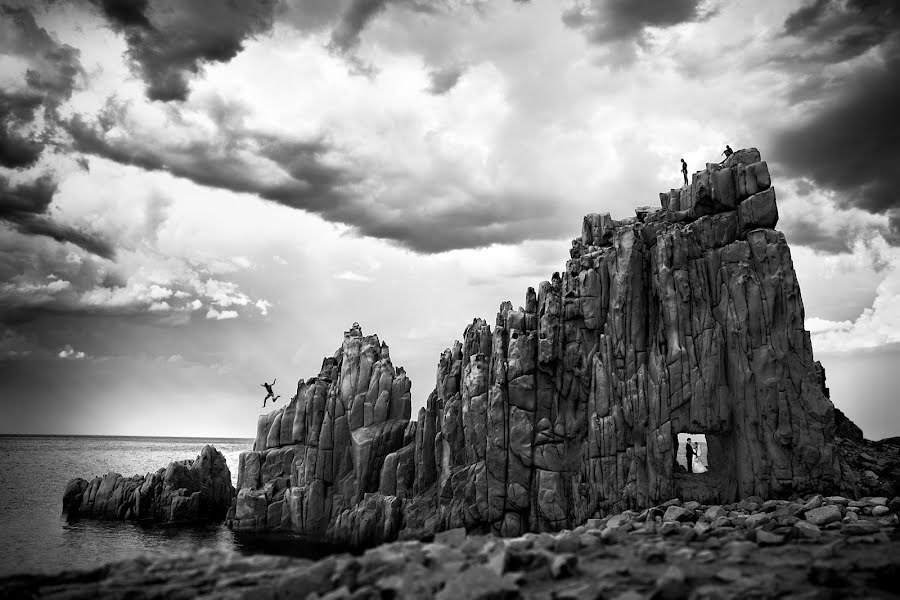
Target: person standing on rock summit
pixel 270 393
pixel 689 456
pixel 684 171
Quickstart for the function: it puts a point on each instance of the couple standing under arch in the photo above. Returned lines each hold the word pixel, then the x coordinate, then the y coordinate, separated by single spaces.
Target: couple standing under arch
pixel 692 457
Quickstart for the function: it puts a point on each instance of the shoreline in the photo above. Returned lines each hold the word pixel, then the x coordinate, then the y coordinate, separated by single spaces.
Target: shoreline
pixel 674 550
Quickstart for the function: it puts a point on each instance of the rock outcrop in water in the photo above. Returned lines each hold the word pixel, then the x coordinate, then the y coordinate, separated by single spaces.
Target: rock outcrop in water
pixel 186 491
pixel 683 319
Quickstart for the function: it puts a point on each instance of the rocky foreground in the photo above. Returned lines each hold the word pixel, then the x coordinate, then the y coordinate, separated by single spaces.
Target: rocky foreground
pixel 818 547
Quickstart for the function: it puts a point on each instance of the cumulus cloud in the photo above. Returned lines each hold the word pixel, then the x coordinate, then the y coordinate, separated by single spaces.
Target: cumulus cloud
pixel 878 324
pixel 221 315
pixel 351 276
pixel 843 138
pixel 169 41
pixel 68 352
pixel 263 306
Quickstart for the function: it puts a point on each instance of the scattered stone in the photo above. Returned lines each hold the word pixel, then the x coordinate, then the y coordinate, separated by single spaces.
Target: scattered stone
pixel 728 574
pixel 451 537
pixel 824 515
pixel 653 553
pixel 813 503
pixel 808 530
pixel 669 528
pixel 714 512
pixel 678 513
pixel 702 528
pixel 563 565
pixel 670 585
pixel 756 520
pixel 478 583
pixel 767 538
pixel 579 591
pixel 722 522
pixel 619 520
pixel 860 528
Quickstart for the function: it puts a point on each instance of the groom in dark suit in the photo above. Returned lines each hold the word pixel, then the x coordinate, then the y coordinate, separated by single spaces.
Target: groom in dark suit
pixel 689 455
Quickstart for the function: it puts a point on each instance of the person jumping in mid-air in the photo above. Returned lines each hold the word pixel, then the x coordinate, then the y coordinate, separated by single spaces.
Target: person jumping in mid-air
pixel 684 171
pixel 269 392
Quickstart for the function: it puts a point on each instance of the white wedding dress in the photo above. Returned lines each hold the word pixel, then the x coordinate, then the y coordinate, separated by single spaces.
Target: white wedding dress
pixel 697 466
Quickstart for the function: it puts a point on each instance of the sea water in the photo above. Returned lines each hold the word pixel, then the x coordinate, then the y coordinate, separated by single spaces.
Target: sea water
pixel 34 471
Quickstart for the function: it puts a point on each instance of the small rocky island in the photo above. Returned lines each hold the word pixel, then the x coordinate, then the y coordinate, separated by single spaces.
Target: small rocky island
pixel 187 491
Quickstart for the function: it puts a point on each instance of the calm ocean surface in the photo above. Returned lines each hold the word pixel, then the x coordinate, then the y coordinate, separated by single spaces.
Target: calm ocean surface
pixel 34 537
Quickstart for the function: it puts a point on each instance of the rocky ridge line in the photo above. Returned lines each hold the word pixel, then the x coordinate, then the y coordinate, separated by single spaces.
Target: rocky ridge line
pixel 685 318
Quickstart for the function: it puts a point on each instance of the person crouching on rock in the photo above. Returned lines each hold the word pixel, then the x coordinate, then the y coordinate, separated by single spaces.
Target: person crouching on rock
pixel 728 152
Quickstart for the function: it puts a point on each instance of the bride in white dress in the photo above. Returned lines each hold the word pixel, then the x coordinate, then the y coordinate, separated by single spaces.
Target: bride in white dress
pixel 697 466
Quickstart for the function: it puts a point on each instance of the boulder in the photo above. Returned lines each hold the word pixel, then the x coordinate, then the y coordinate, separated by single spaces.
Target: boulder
pixel 759 210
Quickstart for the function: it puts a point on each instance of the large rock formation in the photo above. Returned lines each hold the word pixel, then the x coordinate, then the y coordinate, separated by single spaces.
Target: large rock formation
pixel 686 318
pixel 185 491
pixel 317 460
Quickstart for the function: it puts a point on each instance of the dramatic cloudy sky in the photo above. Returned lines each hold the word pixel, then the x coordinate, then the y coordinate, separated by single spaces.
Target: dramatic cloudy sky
pixel 197 196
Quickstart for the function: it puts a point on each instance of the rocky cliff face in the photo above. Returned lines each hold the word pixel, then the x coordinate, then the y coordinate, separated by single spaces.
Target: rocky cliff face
pixel 317 461
pixel 185 491
pixel 685 318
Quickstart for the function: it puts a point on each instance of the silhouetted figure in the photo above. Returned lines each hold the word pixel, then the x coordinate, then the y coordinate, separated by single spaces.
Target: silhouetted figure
pixel 689 456
pixel 728 151
pixel 684 171
pixel 269 392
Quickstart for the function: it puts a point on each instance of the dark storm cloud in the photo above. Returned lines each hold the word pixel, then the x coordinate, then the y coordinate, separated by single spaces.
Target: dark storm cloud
pixel 848 141
pixel 604 21
pixel 432 212
pixel 840 30
pixel 811 233
pixel 358 14
pixel 49 80
pixel 17 111
pixel 24 206
pixel 219 163
pixel 170 40
pixel 50 77
pixel 445 79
